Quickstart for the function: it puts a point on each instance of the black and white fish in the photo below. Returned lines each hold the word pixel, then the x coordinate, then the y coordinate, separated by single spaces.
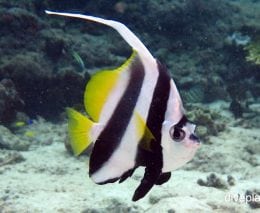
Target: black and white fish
pixel 136 118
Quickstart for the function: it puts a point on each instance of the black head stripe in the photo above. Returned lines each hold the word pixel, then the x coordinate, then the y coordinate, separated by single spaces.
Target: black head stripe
pixel 159 102
pixel 182 122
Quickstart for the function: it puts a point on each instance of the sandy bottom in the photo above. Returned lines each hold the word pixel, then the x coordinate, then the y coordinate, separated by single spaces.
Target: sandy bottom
pixel 52 180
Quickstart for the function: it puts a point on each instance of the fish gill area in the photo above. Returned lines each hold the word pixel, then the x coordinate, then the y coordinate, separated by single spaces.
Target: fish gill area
pixel 211 48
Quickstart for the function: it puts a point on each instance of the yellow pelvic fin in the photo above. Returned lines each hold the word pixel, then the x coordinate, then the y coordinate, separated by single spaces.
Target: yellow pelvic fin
pixel 100 86
pixel 79 128
pixel 143 132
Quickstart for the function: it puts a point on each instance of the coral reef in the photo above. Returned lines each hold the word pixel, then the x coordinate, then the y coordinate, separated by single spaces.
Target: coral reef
pixel 43 93
pixel 44 60
pixel 10 101
pixel 214 181
pixel 210 122
pixel 253 51
pixel 11 141
pixel 19 21
pixel 254 196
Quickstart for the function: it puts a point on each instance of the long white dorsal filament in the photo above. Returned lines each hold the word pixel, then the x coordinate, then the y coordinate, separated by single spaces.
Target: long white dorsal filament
pixel 125 32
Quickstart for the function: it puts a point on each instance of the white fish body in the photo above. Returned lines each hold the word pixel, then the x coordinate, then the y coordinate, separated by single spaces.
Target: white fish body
pixel 140 119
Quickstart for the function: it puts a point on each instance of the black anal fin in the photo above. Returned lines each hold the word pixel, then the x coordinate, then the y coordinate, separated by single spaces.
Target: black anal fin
pixel 164 177
pixel 127 174
pixel 150 177
pixel 108 181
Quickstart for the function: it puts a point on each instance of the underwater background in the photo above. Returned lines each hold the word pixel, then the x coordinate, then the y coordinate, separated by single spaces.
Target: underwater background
pixel 211 48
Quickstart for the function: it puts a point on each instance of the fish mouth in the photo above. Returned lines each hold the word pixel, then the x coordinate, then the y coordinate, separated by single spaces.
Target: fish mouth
pixel 197 142
pixel 194 137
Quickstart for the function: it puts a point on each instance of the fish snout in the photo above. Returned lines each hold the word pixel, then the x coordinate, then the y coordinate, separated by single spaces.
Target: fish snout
pixel 195 139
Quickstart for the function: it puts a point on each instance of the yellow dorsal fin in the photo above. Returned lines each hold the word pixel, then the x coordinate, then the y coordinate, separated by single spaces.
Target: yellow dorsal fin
pixel 79 128
pixel 100 86
pixel 143 132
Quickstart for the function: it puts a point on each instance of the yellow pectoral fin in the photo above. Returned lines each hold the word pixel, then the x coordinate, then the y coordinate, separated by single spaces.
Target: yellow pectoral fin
pixel 79 128
pixel 143 132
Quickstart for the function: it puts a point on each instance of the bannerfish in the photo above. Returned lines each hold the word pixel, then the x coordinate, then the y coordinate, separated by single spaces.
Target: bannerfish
pixel 136 118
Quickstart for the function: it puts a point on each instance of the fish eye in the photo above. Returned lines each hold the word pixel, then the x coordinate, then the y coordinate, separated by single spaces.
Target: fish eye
pixel 177 134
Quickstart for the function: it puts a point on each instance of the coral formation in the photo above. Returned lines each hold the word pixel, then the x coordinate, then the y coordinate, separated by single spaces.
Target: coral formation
pixel 11 141
pixel 254 196
pixel 194 54
pixel 19 21
pixel 10 101
pixel 41 89
pixel 214 181
pixel 253 50
pixel 210 122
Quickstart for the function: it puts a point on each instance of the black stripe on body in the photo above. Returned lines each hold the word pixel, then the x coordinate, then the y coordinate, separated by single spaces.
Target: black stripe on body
pixel 153 160
pixel 156 115
pixel 112 134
